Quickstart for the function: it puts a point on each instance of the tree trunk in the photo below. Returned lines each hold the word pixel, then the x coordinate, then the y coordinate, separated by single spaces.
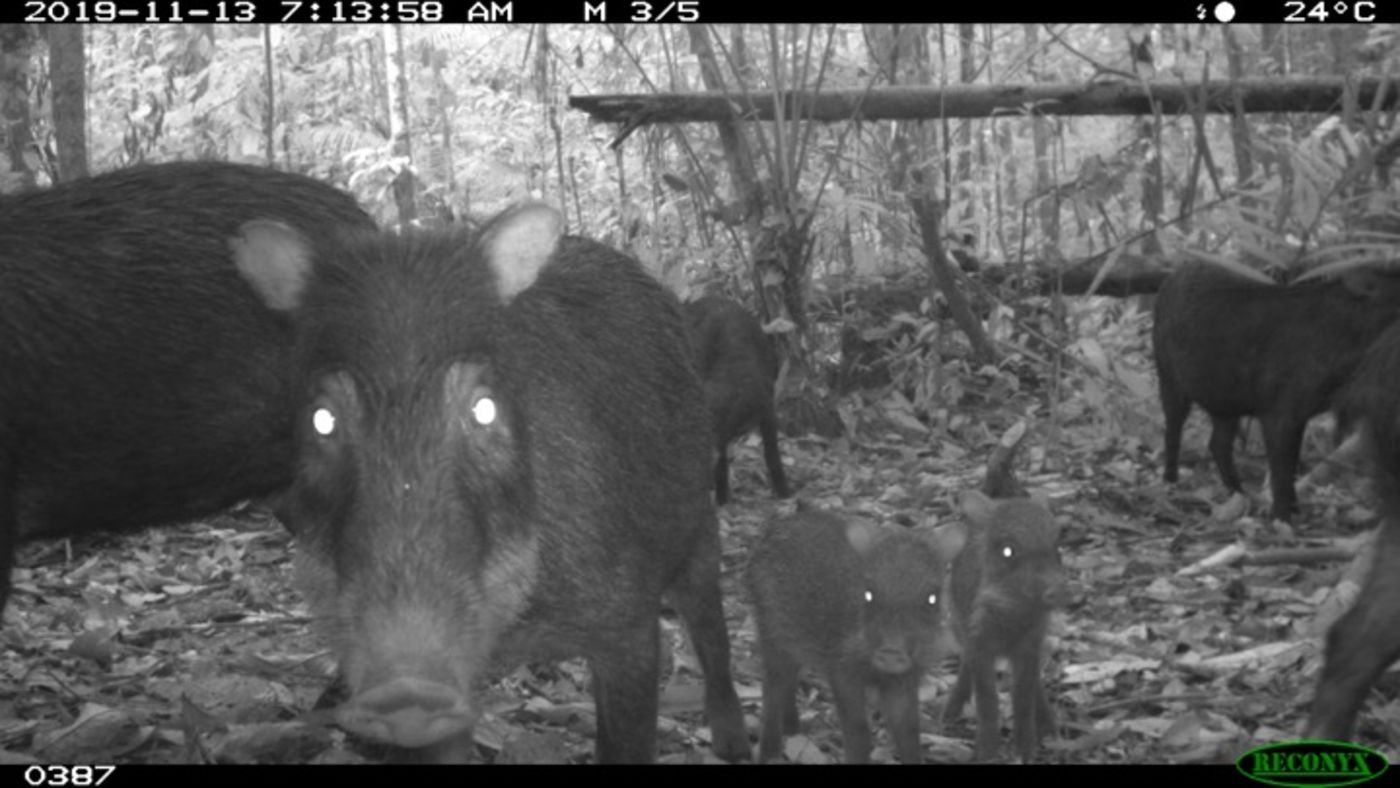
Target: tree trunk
pixel 68 86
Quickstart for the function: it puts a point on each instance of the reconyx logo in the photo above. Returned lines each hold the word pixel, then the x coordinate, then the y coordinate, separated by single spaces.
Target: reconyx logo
pixel 1312 762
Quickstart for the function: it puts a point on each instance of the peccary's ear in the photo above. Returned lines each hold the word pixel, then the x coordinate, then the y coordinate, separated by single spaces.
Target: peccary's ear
pixel 518 243
pixel 862 535
pixel 276 261
pixel 947 540
pixel 977 507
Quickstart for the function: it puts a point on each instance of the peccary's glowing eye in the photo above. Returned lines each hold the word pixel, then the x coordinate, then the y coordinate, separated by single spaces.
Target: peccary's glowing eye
pixel 1007 552
pixel 323 421
pixel 484 411
pixel 869 596
pixel 933 599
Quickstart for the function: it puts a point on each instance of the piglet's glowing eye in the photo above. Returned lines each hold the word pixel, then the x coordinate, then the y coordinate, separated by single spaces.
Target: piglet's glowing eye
pixel 1007 552
pixel 869 597
pixel 484 411
pixel 933 599
pixel 323 421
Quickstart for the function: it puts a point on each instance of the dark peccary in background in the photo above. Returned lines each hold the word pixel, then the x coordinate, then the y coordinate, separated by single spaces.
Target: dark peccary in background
pixel 503 457
pixel 142 378
pixel 1242 348
pixel 738 366
pixel 1364 641
pixel 1004 583
pixel 858 602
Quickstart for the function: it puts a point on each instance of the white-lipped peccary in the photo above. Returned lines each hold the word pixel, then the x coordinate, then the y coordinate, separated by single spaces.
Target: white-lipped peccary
pixel 142 377
pixel 738 366
pixel 503 456
pixel 1279 353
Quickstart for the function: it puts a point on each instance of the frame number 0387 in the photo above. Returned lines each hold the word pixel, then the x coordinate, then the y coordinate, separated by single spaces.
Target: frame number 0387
pixel 67 775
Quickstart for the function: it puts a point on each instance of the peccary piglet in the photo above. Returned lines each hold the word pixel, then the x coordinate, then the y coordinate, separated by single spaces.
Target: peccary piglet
pixel 861 604
pixel 1004 582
